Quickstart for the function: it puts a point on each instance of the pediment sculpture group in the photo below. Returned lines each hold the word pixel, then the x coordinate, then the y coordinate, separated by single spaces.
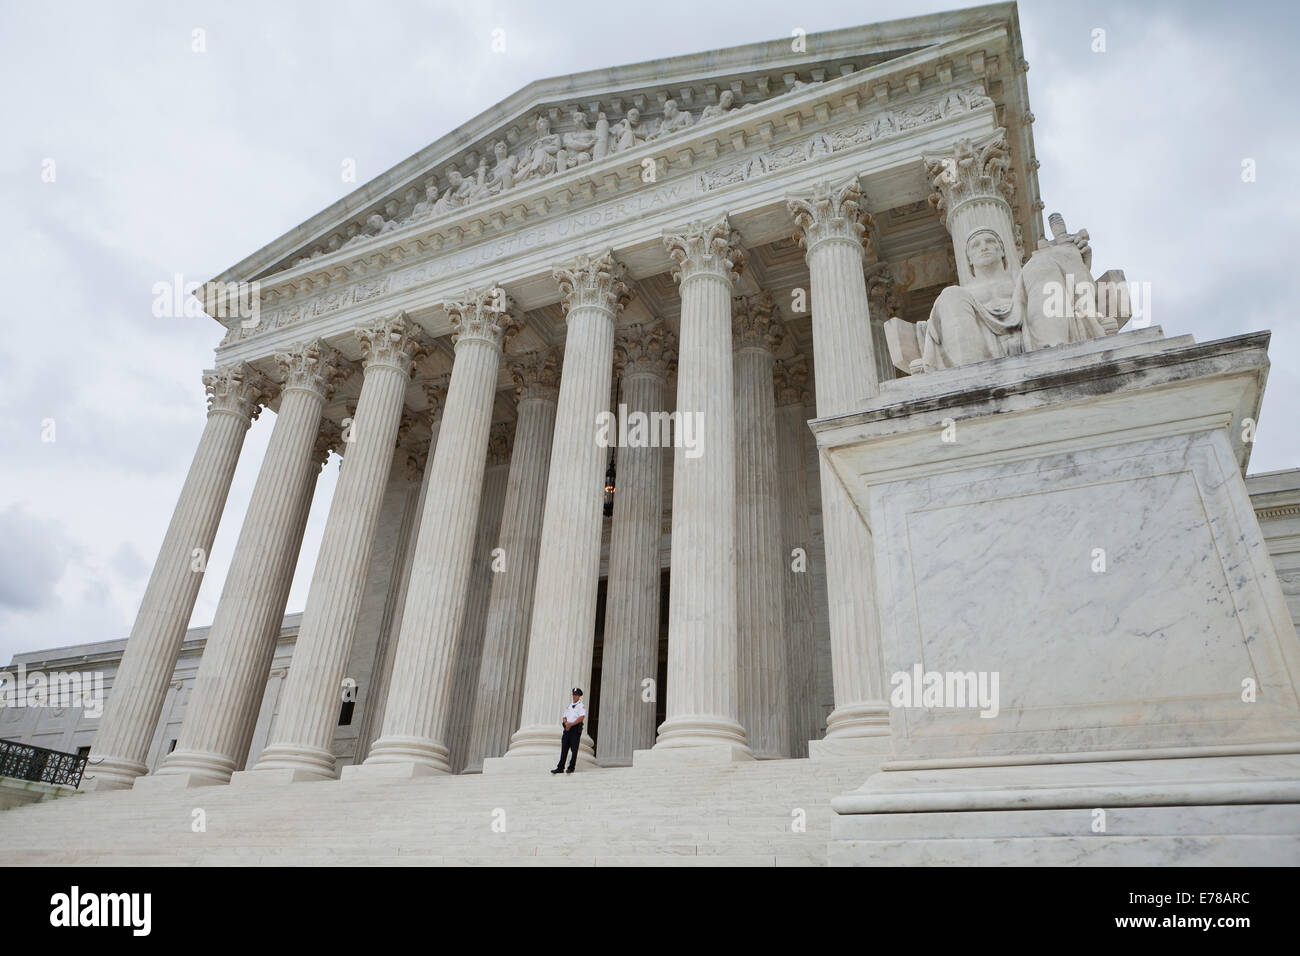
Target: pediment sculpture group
pixel 547 154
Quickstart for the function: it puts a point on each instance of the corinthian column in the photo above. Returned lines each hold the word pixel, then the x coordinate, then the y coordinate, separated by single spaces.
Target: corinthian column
pixel 418 707
pixel 973 185
pixel 417 464
pixel 831 228
pixel 627 714
pixel 235 396
pixel 499 696
pixel 563 631
pixel 793 403
pixel 469 652
pixel 300 745
pixel 762 664
pixel 233 670
pixel 703 703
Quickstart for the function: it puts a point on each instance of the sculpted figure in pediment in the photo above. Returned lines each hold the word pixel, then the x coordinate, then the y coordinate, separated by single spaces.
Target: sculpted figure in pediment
pixel 577 144
pixel 541 155
pixel 626 131
pixel 673 120
pixel 506 168
pixel 602 146
pixel 726 103
pixel 426 206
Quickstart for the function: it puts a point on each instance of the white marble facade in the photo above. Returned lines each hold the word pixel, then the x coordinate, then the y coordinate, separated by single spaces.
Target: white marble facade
pixel 744 240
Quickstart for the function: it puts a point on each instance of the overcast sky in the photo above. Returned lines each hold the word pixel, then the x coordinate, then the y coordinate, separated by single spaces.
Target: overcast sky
pixel 168 161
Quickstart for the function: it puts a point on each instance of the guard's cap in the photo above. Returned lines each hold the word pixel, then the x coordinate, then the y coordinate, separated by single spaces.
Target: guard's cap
pixel 577 691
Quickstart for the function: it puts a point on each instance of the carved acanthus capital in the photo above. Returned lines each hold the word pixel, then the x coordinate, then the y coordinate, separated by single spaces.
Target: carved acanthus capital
pixel 328 439
pixel 396 342
pixel 645 350
pixel 435 395
pixel 756 322
pixel 238 389
pixel 970 170
pixel 500 441
pixel 313 366
pixel 790 382
pixel 831 210
pixel 706 248
pixel 536 374
pixel 594 282
pixel 883 295
pixel 487 315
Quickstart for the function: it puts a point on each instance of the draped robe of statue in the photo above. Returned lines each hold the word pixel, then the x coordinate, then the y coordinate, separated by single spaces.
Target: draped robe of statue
pixel 1052 301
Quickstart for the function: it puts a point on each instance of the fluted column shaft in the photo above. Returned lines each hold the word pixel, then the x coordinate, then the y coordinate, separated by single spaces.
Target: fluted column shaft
pixel 121 749
pixel 469 652
pixel 831 228
pixel 499 694
pixel 415 718
pixel 562 631
pixel 762 663
pixel 309 710
pixel 631 654
pixel 702 698
pixel 800 640
pixel 372 718
pixel 232 673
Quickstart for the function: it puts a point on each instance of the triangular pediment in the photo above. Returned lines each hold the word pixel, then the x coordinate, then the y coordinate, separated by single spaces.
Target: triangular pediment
pixel 567 126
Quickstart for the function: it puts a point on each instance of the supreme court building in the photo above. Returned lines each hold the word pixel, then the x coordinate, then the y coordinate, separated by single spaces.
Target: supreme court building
pixel 569 354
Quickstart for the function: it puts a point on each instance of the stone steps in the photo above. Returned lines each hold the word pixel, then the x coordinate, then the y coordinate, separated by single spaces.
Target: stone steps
pixel 739 814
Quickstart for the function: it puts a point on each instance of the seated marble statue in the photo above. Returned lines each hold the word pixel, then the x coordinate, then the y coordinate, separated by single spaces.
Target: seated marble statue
pixel 995 315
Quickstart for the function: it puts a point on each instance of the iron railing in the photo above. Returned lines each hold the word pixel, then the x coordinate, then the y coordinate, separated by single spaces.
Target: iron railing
pixel 25 762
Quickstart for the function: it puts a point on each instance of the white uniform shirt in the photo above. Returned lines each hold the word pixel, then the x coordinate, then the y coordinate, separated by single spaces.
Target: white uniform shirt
pixel 574 711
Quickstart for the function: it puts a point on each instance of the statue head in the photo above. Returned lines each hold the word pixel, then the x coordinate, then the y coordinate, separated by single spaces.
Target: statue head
pixel 633 116
pixel 670 109
pixel 431 190
pixel 454 177
pixel 580 119
pixel 984 247
pixel 499 150
pixel 543 124
pixel 726 99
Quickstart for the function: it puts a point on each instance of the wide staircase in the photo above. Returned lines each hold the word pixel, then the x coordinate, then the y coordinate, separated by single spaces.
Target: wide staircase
pixel 767 813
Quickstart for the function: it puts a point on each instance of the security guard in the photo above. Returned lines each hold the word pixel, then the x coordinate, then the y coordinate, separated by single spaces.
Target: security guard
pixel 572 736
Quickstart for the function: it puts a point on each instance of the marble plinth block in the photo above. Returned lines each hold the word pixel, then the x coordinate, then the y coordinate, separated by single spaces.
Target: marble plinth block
pixel 1079 612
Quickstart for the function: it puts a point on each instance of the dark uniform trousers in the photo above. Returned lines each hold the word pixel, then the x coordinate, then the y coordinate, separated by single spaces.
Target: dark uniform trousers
pixel 569 742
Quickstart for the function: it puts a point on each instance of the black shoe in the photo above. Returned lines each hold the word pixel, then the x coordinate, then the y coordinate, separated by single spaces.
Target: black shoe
pixel 570 770
pixel 557 770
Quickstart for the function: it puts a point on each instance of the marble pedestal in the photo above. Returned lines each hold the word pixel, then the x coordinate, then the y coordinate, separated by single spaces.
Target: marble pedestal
pixel 1068 531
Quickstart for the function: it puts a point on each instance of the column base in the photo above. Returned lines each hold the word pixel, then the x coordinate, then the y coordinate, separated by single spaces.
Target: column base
pixel 188 768
pixel 537 748
pixel 695 732
pixel 309 763
pixel 111 773
pixel 401 758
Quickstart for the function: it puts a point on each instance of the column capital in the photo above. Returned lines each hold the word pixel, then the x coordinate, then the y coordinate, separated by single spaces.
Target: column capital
pixel 971 169
pixel 832 210
pixel 594 282
pixel 790 381
pixel 536 374
pixel 756 322
pixel 500 442
pixel 486 315
pixel 706 248
pixel 395 342
pixel 238 389
pixel 313 366
pixel 641 349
